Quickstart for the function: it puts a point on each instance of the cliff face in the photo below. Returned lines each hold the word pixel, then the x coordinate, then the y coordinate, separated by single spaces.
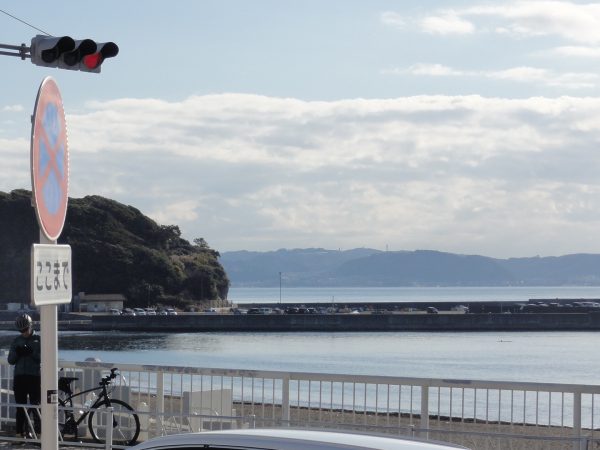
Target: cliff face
pixel 115 249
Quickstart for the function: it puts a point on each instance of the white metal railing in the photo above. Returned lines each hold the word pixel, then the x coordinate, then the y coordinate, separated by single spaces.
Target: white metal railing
pixel 478 414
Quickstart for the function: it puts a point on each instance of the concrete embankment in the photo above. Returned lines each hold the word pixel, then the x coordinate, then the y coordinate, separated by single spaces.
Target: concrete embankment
pixel 346 322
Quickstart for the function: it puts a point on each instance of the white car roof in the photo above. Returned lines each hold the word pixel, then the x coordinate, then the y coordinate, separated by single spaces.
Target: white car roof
pixel 288 439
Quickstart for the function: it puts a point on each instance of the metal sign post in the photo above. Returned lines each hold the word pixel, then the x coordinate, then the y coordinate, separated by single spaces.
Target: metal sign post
pixel 50 263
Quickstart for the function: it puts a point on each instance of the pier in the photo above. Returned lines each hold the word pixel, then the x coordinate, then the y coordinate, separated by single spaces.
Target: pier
pixel 535 315
pixel 346 322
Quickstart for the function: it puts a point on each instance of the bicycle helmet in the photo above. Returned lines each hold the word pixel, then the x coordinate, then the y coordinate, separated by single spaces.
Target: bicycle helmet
pixel 23 321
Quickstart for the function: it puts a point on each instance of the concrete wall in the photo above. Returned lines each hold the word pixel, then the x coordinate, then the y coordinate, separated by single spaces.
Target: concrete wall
pixel 351 322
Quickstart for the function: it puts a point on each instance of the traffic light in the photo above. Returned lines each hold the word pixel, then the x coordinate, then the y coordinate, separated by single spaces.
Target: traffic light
pixel 66 53
pixel 91 62
pixel 81 49
pixel 47 50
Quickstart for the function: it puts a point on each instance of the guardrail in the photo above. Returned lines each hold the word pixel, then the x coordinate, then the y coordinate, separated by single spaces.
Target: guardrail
pixel 477 414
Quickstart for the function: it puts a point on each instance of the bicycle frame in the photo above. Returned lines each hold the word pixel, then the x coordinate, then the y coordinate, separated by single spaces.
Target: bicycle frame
pixel 99 400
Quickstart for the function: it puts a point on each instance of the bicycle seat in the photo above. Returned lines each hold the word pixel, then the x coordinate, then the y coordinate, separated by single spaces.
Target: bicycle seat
pixel 64 384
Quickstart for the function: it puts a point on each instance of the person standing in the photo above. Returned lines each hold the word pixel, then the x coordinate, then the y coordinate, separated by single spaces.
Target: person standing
pixel 25 355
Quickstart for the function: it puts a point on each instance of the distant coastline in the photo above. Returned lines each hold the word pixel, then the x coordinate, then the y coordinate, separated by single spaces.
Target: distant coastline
pixel 406 294
pixel 365 267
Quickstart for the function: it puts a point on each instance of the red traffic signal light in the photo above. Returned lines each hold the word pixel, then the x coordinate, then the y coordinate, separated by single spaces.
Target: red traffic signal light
pixel 105 50
pixel 66 53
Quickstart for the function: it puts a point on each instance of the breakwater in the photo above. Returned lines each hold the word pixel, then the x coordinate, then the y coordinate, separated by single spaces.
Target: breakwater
pixel 344 322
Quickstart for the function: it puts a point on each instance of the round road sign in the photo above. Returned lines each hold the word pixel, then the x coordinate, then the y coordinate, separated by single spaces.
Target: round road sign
pixel 49 160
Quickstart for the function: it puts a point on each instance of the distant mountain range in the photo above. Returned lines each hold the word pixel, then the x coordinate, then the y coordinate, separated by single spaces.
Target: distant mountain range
pixel 369 267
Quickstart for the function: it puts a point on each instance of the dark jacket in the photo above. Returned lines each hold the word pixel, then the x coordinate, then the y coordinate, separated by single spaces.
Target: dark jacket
pixel 25 355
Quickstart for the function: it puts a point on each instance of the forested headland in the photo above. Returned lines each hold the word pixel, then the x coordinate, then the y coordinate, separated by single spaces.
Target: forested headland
pixel 115 250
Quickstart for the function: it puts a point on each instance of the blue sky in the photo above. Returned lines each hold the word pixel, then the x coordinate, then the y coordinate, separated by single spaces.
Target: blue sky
pixel 462 126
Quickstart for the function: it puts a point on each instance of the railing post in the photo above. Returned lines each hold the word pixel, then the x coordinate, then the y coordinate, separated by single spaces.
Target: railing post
pixel 285 400
pixel 109 429
pixel 424 412
pixel 160 402
pixel 144 415
pixel 577 443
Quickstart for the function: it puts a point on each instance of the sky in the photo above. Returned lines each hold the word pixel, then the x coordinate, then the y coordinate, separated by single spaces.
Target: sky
pixel 462 126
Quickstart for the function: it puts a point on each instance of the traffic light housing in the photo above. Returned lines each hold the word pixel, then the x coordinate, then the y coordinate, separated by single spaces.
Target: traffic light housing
pixel 93 61
pixel 66 53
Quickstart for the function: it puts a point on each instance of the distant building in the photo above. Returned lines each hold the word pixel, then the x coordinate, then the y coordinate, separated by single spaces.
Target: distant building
pixel 13 306
pixel 98 302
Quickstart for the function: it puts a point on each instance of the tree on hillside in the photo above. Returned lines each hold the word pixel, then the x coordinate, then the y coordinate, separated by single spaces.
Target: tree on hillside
pixel 115 249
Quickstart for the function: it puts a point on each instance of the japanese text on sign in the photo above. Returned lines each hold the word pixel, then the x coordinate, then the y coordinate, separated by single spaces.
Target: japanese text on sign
pixel 51 274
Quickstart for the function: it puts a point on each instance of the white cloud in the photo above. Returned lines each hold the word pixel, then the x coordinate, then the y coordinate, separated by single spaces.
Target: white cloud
pixel 572 21
pixel 177 212
pixel 578 51
pixel 13 108
pixel 435 70
pixel 456 173
pixel 448 23
pixel 547 77
pixel 393 19
pixel 535 75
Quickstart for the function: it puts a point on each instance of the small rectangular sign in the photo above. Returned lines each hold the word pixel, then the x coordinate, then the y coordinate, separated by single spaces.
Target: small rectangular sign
pixel 51 274
pixel 52 396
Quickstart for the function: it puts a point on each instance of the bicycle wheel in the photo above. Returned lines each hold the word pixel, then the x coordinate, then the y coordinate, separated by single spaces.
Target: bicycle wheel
pixel 125 427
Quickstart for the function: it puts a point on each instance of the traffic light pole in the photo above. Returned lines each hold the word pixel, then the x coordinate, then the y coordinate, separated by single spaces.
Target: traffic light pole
pixel 22 51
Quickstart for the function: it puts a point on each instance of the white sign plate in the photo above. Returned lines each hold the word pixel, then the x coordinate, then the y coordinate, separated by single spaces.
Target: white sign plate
pixel 51 274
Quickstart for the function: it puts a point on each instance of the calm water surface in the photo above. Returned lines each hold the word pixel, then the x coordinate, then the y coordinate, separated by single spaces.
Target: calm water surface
pixel 408 294
pixel 562 357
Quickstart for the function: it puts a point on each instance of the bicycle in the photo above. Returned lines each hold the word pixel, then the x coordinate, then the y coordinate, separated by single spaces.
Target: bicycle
pixel 125 424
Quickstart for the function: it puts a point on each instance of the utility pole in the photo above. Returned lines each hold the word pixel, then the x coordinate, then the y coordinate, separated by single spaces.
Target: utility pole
pixel 280 288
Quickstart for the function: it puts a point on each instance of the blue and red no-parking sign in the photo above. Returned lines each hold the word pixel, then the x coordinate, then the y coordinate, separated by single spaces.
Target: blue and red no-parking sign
pixel 50 160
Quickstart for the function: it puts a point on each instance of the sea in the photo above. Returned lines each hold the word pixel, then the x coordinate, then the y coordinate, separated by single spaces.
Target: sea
pixel 554 357
pixel 407 294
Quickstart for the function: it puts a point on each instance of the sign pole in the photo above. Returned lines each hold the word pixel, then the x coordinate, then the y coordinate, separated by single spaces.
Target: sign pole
pixel 49 368
pixel 51 281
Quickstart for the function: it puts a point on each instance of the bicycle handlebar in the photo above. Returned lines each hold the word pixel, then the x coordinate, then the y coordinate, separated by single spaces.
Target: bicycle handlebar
pixel 106 380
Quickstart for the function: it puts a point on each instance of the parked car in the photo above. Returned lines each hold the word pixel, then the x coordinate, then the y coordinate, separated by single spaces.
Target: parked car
pixel 114 312
pixel 171 312
pixel 260 311
pixel 287 439
pixel 150 312
pixel 432 310
pixel 139 311
pixel 128 312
